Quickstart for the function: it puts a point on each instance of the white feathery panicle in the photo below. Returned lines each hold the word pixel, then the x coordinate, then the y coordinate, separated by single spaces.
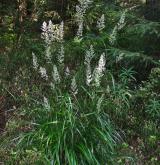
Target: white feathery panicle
pixel 98 71
pixel 80 29
pixel 102 62
pixel 44 27
pixel 85 4
pixel 74 88
pixel 58 32
pixel 55 74
pixel 89 55
pixel 61 55
pixel 113 35
pixel 46 103
pixel 52 32
pixel 67 71
pixel 121 22
pixel 61 31
pixel 35 61
pixel 43 73
pixel 46 34
pixel 101 23
pixel 88 75
pixel 79 20
pixel 50 26
pixel 80 12
pixel 48 53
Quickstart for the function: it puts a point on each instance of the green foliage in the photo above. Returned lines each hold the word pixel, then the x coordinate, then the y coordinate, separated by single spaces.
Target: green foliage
pixel 71 132
pixel 153 108
pixel 85 127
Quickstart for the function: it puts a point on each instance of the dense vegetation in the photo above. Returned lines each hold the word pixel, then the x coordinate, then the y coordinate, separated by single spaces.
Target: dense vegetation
pixel 79 82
